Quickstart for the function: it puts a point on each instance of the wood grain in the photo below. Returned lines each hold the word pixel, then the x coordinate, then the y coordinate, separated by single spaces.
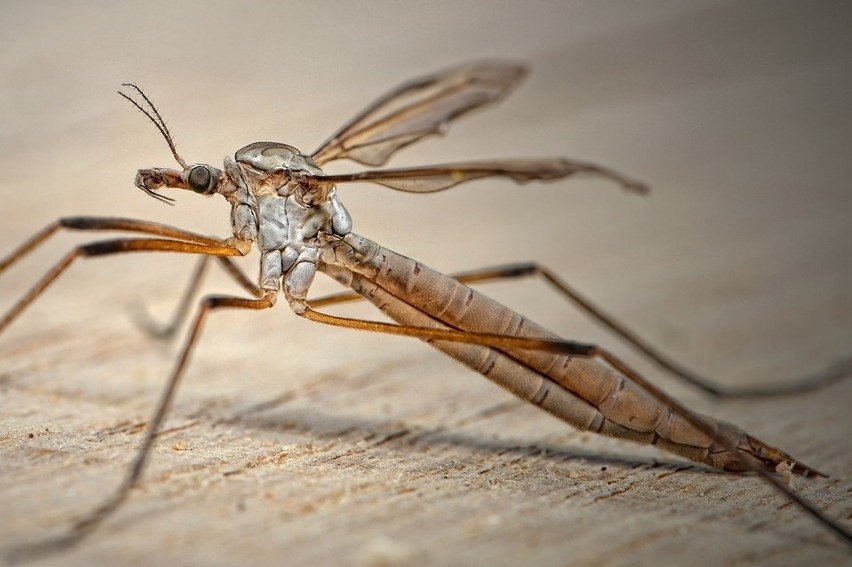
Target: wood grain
pixel 295 444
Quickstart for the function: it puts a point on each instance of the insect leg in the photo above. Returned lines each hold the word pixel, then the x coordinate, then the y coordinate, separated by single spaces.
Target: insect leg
pixel 105 247
pixel 88 524
pixel 828 375
pixel 428 333
pixel 819 379
pixel 114 224
pixel 165 331
pixel 747 461
pixel 147 323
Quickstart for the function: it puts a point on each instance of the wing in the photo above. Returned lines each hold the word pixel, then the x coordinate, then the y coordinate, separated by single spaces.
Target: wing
pixel 429 179
pixel 419 108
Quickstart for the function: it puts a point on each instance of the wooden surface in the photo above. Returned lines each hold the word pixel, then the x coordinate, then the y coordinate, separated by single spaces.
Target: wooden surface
pixel 291 443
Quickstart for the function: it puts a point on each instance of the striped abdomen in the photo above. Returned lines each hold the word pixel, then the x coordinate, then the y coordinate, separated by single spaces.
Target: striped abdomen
pixel 584 392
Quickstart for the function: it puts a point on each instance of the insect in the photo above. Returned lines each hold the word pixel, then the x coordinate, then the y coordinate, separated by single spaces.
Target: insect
pixel 282 203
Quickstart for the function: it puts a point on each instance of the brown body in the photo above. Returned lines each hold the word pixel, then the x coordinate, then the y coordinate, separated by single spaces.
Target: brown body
pixel 582 391
pixel 283 203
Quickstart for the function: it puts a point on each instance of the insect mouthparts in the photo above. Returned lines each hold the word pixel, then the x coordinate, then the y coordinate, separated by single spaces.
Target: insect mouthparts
pixel 149 180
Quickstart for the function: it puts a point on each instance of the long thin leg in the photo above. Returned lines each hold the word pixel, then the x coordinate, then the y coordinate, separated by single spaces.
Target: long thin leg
pixel 747 460
pixel 147 323
pixel 89 523
pixel 239 276
pixel 828 375
pixel 427 333
pixel 114 224
pixel 578 349
pixel 182 310
pixel 105 247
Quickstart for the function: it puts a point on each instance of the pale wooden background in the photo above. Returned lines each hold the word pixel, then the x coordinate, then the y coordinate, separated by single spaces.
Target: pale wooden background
pixel 295 444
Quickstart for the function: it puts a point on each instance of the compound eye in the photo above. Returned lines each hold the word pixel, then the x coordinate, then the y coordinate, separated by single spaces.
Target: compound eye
pixel 200 180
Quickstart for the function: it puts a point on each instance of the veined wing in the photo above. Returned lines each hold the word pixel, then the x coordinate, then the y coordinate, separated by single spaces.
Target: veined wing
pixel 419 108
pixel 429 179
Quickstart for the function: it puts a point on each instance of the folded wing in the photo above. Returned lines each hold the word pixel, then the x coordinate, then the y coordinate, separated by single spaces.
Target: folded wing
pixel 417 109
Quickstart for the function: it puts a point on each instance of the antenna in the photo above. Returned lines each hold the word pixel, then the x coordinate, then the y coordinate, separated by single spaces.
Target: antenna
pixel 154 116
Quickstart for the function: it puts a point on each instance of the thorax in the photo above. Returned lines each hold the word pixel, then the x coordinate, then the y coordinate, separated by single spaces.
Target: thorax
pixel 274 207
pixel 283 222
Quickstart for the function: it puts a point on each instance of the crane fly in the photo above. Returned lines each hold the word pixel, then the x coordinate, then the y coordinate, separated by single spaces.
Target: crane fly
pixel 282 203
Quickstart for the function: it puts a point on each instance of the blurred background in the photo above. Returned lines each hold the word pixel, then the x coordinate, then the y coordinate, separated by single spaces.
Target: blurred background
pixel 735 113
